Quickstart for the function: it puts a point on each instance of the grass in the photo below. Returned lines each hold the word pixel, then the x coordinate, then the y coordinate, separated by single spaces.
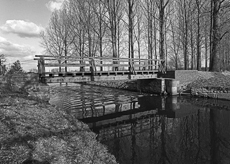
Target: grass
pixel 32 128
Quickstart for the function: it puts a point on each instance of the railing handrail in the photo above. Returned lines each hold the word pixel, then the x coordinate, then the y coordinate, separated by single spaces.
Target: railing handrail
pixel 62 58
pixel 92 63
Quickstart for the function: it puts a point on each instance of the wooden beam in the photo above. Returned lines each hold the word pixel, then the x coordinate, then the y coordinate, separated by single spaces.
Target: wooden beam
pixel 66 65
pixel 150 76
pixel 111 77
pixel 68 79
pixel 95 58
pixel 97 65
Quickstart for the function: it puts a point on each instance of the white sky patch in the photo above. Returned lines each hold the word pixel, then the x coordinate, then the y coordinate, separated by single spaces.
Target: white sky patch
pixel 54 5
pixel 22 28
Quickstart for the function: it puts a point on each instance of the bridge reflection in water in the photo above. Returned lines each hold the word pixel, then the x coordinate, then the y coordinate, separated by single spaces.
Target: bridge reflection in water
pixel 150 129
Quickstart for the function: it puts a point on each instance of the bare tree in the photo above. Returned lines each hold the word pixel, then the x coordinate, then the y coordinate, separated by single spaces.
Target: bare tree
pixel 100 27
pixel 131 24
pixel 114 10
pixel 57 38
pixel 198 5
pixel 162 4
pixel 139 31
pixel 216 35
pixel 149 7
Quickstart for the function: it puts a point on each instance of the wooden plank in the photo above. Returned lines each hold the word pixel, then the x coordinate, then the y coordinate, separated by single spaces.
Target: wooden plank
pixel 56 73
pixel 43 56
pixel 112 65
pixel 143 76
pixel 101 73
pixel 68 79
pixel 66 65
pixel 95 58
pixel 147 71
pixel 125 65
pixel 119 59
pixel 112 73
pixel 97 65
pixel 62 58
pixel 111 77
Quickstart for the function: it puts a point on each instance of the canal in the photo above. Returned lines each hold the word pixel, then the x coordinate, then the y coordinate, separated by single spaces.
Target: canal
pixel 144 129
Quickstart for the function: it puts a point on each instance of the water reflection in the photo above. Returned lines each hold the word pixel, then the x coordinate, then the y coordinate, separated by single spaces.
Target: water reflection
pixel 150 129
pixel 199 136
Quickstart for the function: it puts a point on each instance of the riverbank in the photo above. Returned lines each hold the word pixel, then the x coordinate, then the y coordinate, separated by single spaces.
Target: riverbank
pixel 32 128
pixel 215 86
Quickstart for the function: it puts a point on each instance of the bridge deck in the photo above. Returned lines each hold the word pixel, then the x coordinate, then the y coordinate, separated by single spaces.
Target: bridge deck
pixel 95 69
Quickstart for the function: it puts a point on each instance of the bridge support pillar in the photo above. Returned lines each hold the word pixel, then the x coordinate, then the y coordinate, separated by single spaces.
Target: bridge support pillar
pixel 158 86
pixel 171 86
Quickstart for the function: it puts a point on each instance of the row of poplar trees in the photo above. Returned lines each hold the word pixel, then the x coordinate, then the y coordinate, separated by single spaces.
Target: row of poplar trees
pixel 187 34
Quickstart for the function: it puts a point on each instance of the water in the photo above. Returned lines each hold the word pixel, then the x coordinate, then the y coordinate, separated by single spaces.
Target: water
pixel 143 129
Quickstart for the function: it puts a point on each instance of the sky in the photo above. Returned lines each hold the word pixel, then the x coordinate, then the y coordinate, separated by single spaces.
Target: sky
pixel 21 22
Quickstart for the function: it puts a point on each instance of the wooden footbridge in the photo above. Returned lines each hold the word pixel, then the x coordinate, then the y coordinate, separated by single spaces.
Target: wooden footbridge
pixel 71 69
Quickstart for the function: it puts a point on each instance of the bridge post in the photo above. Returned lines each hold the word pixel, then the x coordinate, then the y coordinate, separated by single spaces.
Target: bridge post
pixel 131 66
pixel 162 68
pixel 41 69
pixel 171 86
pixel 92 68
pixel 115 62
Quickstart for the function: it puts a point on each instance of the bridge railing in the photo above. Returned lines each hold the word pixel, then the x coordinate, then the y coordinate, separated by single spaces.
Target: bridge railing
pixel 96 65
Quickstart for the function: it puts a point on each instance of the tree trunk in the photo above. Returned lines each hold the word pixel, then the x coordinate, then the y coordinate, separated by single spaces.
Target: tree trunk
pixel 161 29
pixel 100 36
pixel 198 37
pixel 192 46
pixel 131 26
pixel 150 32
pixel 206 47
pixel 155 39
pixel 214 63
pixel 185 40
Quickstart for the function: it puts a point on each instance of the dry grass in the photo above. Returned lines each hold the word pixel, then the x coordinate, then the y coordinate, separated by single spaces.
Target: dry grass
pixel 41 131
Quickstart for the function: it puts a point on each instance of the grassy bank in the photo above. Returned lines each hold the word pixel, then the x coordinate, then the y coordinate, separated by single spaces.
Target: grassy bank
pixel 212 85
pixel 32 128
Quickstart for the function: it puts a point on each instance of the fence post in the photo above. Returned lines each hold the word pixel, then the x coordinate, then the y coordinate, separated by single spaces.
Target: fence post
pixel 131 66
pixel 92 68
pixel 162 68
pixel 41 68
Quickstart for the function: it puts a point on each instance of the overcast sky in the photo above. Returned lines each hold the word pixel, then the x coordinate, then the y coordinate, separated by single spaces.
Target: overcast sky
pixel 21 22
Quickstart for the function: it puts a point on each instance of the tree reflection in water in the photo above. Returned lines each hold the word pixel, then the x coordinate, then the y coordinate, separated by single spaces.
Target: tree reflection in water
pixel 189 131
pixel 154 129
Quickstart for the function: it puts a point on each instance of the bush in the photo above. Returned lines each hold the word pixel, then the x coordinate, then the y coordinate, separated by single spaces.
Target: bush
pixel 15 70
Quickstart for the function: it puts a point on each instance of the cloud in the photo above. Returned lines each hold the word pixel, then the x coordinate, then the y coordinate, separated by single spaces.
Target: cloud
pixel 22 28
pixel 14 52
pixel 54 5
pixel 10 49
